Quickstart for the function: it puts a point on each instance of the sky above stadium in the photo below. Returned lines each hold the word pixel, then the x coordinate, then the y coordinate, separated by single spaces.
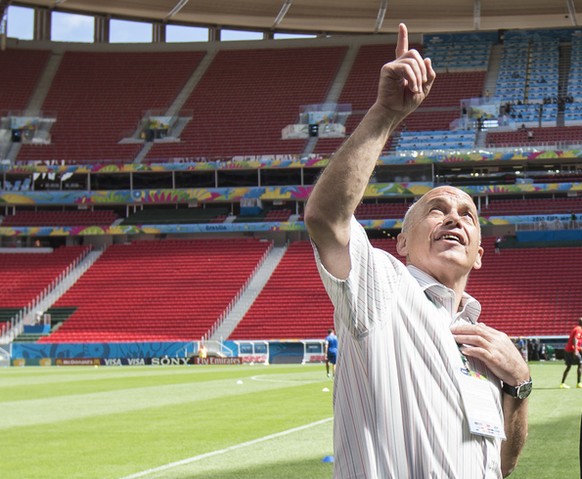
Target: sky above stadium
pixel 68 27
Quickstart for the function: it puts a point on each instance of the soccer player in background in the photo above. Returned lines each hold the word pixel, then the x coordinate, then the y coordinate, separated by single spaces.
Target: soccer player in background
pixel 330 352
pixel 572 355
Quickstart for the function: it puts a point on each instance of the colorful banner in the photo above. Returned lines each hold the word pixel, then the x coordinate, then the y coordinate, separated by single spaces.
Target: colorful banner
pixel 284 161
pixel 380 224
pixel 270 193
pixel 101 350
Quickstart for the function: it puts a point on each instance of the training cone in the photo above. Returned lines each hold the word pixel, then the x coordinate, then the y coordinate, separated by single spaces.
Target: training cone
pixel 327 459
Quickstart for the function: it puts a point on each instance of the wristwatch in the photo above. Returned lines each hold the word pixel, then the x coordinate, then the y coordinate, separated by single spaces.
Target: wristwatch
pixel 521 391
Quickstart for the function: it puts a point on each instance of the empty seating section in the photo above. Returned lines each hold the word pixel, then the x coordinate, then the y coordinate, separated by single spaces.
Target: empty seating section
pixel 532 206
pixel 20 71
pixel 430 120
pixel 542 81
pixel 575 73
pixel 293 304
pixel 360 90
pixel 61 218
pixel 524 292
pixel 100 98
pixel 157 290
pixel 278 214
pixel 246 97
pixel 451 88
pixel 529 77
pixel 435 140
pixel 530 291
pixel 556 135
pixel 535 114
pixel 374 211
pixel 26 275
pixel 511 80
pixel 573 112
pixel 458 55
pixel 157 216
pixel 361 86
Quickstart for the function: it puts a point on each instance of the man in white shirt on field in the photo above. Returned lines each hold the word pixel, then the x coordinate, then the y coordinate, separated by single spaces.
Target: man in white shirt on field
pixel 418 386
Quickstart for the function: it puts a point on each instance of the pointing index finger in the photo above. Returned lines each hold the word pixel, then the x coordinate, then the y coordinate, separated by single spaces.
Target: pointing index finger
pixel 402 45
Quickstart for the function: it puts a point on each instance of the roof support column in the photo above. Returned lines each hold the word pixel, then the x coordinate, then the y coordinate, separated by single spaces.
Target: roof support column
pixel 102 29
pixel 159 32
pixel 42 24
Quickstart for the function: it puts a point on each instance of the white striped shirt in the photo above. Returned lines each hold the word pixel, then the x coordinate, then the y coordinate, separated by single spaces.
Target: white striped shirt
pixel 397 406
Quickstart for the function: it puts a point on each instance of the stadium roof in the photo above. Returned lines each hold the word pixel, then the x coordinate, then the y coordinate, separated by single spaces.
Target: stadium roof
pixel 336 16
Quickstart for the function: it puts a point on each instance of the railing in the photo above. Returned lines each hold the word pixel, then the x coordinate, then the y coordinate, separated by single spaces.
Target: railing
pixel 238 295
pixel 532 146
pixel 57 287
pixel 555 225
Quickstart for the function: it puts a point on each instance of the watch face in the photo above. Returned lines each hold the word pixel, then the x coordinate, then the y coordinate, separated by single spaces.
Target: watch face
pixel 524 390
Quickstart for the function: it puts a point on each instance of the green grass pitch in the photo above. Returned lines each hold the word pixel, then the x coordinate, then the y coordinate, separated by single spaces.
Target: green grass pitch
pixel 239 422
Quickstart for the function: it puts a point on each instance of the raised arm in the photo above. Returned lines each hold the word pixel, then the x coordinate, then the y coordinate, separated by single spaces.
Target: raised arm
pixel 404 83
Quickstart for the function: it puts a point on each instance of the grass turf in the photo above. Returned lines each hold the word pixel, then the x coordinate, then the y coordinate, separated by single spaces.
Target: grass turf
pixel 216 422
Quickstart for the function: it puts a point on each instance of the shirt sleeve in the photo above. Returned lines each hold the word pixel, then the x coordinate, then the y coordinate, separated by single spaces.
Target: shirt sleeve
pixel 364 299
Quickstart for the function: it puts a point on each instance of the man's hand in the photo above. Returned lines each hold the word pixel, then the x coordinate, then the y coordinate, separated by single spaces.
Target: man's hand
pixel 495 349
pixel 501 356
pixel 406 81
pixel 403 84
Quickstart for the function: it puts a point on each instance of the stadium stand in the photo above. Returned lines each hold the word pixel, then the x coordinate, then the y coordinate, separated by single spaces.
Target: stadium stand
pixel 245 99
pixel 292 305
pixel 100 98
pixel 461 53
pixel 27 275
pixel 575 73
pixel 524 292
pixel 509 207
pixel 177 290
pixel 435 140
pixel 373 211
pixel 158 216
pixel 528 291
pixel 511 81
pixel 20 71
pixel 157 290
pixel 454 87
pixel 557 135
pixel 61 218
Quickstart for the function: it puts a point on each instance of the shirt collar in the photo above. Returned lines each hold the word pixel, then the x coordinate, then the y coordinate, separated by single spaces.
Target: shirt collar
pixel 439 293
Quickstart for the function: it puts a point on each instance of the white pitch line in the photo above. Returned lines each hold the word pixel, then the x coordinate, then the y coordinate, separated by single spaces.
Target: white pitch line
pixel 190 460
pixel 264 379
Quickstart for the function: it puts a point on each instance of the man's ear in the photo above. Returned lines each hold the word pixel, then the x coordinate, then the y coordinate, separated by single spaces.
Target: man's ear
pixel 478 263
pixel 401 245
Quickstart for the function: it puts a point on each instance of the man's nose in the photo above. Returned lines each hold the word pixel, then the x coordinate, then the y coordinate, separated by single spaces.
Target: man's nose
pixel 452 218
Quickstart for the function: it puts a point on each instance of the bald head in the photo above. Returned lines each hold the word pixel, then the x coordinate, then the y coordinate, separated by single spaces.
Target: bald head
pixel 440 191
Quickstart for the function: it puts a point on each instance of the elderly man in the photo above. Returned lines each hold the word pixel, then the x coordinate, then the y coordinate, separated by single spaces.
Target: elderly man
pixel 422 390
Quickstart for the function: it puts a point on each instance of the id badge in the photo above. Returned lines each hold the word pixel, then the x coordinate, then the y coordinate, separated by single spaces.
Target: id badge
pixel 480 409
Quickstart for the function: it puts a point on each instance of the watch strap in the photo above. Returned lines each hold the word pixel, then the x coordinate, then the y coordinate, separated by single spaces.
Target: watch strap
pixel 518 391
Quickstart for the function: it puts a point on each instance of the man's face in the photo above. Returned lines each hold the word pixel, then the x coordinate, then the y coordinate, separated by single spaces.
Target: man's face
pixel 442 236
